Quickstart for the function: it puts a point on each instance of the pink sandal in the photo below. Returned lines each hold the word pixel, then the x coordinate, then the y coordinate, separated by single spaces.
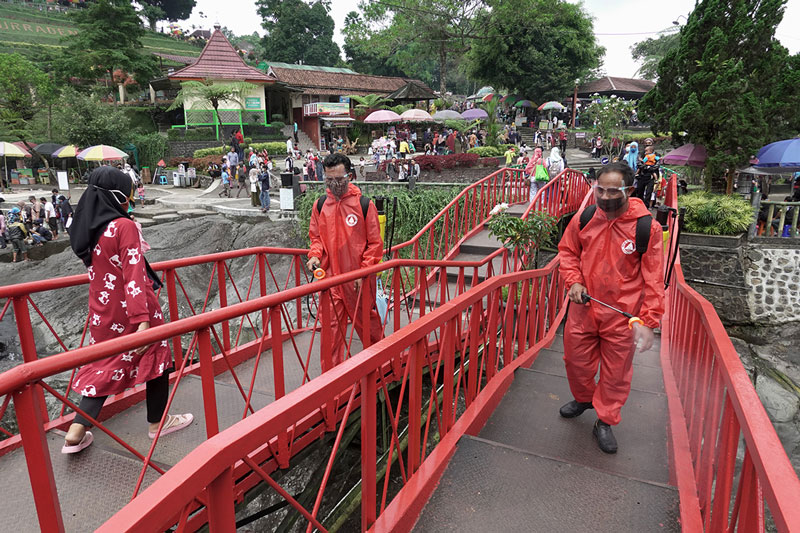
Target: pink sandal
pixel 87 439
pixel 174 423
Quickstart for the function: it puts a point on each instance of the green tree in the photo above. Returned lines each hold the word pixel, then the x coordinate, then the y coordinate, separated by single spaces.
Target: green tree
pixel 208 95
pixel 535 47
pixel 108 40
pixel 651 51
pixel 370 102
pixel 24 91
pixel 88 121
pixel 610 115
pixel 729 84
pixel 298 32
pixel 437 28
pixel 172 10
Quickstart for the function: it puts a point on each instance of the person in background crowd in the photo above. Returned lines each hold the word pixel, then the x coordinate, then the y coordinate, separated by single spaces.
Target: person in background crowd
pixel 17 233
pixel 263 182
pixel 226 183
pixel 37 211
pixel 391 169
pixel 3 235
pixel 50 216
pixel 240 140
pixel 536 173
pixel 362 168
pixel 632 158
pixel 108 243
pixel 509 155
pixel 66 212
pixel 562 140
pixel 241 179
pixel 41 234
pixel 252 176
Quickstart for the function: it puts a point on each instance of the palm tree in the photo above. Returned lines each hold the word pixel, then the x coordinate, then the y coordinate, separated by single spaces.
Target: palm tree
pixel 207 94
pixel 370 101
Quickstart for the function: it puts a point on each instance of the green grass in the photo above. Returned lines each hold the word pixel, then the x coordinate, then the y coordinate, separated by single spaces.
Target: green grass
pixel 43 29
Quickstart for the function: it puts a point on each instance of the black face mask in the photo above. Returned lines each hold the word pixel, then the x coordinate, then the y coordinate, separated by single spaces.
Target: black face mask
pixel 611 205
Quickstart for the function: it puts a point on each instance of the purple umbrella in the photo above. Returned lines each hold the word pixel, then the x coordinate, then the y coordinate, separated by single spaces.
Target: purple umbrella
pixel 475 113
pixel 688 155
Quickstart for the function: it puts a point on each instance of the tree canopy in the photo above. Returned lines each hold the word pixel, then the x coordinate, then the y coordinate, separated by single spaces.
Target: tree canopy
pixel 173 10
pixel 535 47
pixel 729 84
pixel 108 40
pixel 651 51
pixel 298 32
pixel 432 30
pixel 24 90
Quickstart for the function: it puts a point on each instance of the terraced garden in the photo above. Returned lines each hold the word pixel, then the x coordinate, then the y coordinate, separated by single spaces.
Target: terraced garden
pixel 23 29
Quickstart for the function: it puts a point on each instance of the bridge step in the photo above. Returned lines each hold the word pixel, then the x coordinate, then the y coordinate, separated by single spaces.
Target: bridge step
pixel 92 485
pixel 492 487
pixel 548 471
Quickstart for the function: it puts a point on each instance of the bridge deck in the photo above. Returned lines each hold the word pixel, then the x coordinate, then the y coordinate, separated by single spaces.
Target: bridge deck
pixel 531 470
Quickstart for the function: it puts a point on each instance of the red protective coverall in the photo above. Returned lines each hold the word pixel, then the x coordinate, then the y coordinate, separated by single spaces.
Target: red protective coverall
pixel 602 257
pixel 344 241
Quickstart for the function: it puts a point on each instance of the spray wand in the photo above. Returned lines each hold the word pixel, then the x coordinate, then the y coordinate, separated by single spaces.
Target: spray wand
pixel 631 319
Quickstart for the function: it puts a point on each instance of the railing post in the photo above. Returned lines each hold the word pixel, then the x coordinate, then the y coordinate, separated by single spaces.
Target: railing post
pixel 366 316
pixel 27 403
pixel 415 360
pixel 368 452
pixel 325 352
pixel 221 512
pixel 172 298
pixel 278 376
pixel 28 345
pixel 222 288
pixel 299 301
pixel 262 286
pixel 207 380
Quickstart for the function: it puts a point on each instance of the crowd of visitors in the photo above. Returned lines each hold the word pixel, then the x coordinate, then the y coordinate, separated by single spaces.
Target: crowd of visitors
pixel 34 222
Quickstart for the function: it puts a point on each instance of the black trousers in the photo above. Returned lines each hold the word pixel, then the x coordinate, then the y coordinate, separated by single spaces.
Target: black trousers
pixel 644 189
pixel 156 399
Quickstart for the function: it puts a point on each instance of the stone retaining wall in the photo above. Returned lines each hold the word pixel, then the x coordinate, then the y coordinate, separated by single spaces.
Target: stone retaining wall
pixel 762 278
pixel 188 148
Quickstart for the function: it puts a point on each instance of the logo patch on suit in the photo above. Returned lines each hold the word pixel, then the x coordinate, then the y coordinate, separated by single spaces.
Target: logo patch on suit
pixel 351 220
pixel 628 247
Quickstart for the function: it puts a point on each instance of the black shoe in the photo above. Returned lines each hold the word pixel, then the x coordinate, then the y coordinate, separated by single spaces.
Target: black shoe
pixel 574 408
pixel 605 437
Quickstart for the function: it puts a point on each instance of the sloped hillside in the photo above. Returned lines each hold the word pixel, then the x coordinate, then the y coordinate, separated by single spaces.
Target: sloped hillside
pixel 23 29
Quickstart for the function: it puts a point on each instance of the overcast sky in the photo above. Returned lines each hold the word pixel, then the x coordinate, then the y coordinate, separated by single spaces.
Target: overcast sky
pixel 618 23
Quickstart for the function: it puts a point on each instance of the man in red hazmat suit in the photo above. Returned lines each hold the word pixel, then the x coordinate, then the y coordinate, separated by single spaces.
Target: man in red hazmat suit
pixel 345 236
pixel 604 260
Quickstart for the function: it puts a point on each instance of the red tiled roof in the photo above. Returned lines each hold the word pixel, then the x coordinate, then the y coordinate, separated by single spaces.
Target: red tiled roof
pixel 333 83
pixel 220 61
pixel 611 84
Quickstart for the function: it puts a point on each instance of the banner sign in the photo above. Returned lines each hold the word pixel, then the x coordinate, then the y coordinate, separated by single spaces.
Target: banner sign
pixel 252 102
pixel 333 108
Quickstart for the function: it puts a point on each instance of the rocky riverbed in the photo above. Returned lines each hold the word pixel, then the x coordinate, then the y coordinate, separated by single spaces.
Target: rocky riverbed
pixel 66 309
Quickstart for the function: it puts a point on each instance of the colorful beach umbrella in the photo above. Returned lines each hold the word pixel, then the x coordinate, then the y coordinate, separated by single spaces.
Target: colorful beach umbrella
pixel 688 155
pixel 416 115
pixel 48 148
pixel 69 150
pixel 102 152
pixel 489 97
pixel 523 103
pixel 547 106
pixel 474 114
pixel 382 117
pixel 510 99
pixel 781 155
pixel 446 114
pixel 12 150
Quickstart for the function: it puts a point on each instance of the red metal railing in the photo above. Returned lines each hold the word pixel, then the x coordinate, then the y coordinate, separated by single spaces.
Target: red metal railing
pixel 206 344
pixel 716 417
pixel 482 339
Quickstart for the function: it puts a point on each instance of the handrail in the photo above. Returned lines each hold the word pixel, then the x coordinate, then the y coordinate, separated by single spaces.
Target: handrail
pixel 210 464
pixel 781 220
pixel 716 406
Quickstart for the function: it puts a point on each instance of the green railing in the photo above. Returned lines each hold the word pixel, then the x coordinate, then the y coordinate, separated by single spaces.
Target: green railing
pixel 223 117
pixel 777 223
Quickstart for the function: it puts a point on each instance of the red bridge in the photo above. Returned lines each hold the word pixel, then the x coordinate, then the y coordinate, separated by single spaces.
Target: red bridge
pixel 452 417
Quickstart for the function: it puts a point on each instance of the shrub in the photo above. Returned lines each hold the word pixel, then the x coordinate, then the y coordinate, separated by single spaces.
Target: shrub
pixel 200 134
pixel 277 117
pixel 216 150
pixel 485 151
pixel 151 148
pixel 716 214
pixel 438 162
pixel 271 147
pixel 277 125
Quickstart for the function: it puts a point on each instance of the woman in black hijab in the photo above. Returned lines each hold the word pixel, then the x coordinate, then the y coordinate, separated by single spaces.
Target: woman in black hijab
pixel 122 300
